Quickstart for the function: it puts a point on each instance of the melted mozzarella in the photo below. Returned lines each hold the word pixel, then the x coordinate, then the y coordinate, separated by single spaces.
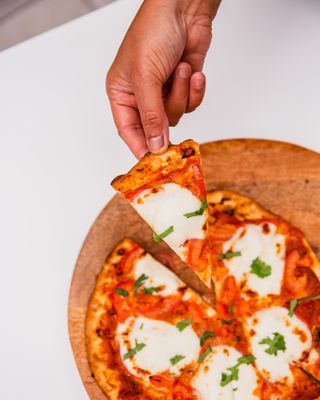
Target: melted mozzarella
pixel 162 340
pixel 158 276
pixel 253 242
pixel 208 377
pixel 166 208
pixel 296 335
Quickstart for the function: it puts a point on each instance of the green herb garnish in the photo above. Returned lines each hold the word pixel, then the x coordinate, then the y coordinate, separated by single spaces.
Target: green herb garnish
pixel 138 347
pixel 293 304
pixel 206 335
pixel 139 282
pixel 141 326
pixel 150 290
pixel 229 254
pixel 225 322
pixel 234 371
pixel 276 344
pixel 183 324
pixel 158 238
pixel 204 354
pixel 122 292
pixel 174 360
pixel 260 268
pixel 204 205
pixel 230 308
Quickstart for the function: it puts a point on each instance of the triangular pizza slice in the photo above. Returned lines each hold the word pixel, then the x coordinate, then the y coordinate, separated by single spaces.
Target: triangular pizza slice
pixel 168 191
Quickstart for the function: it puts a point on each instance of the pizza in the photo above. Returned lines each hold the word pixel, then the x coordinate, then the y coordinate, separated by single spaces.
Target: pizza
pixel 168 191
pixel 150 336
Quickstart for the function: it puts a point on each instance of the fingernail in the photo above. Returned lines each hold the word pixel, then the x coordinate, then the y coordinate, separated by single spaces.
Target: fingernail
pixel 155 143
pixel 199 83
pixel 184 73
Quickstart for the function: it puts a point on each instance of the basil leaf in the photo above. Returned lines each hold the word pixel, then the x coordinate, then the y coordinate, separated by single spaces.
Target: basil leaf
pixel 260 268
pixel 138 347
pixel 174 360
pixel 225 322
pixel 206 335
pixel 277 343
pixel 204 205
pixel 139 282
pixel 150 290
pixel 232 376
pixel 158 238
pixel 234 371
pixel 292 306
pixel 183 324
pixel 229 254
pixel 204 354
pixel 230 308
pixel 122 292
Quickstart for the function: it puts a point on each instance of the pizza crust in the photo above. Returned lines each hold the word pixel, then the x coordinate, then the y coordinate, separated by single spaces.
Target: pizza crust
pixel 147 169
pixel 100 357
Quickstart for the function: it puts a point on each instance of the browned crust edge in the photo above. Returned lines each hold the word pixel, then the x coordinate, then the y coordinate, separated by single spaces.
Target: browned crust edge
pixel 149 166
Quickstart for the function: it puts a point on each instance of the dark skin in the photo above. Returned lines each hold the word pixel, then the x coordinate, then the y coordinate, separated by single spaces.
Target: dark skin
pixel 157 75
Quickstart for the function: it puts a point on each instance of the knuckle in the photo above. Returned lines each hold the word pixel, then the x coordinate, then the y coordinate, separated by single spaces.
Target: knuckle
pixel 151 118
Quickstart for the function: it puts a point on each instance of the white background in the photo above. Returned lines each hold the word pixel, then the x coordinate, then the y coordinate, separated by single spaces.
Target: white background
pixel 59 151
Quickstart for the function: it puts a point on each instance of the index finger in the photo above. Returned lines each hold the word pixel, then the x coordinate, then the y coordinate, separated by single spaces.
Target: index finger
pixel 128 123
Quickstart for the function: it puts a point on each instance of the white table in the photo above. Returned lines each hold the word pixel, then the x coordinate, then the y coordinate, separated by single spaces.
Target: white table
pixel 59 151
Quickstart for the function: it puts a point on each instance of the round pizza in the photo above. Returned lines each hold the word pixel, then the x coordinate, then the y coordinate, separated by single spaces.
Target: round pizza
pixel 149 336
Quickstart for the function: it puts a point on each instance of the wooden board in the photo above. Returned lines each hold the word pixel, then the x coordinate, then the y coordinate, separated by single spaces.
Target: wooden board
pixel 284 178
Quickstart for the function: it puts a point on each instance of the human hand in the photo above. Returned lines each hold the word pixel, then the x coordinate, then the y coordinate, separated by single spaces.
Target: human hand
pixel 156 76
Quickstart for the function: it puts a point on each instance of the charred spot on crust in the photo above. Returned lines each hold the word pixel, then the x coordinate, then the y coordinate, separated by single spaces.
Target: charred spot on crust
pixel 188 152
pixel 306 181
pixel 121 252
pixel 92 375
pixel 230 212
pixel 140 169
pixel 224 199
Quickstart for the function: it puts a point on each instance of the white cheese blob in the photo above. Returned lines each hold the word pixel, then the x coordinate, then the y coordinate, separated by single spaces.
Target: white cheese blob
pixel 158 276
pixel 208 378
pixel 297 338
pixel 257 241
pixel 163 341
pixel 166 208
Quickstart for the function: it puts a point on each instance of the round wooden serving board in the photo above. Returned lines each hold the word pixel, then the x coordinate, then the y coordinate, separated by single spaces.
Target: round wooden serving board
pixel 282 177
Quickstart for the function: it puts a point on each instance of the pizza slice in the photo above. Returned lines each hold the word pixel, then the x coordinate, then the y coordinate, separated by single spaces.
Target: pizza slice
pixel 259 260
pixel 168 191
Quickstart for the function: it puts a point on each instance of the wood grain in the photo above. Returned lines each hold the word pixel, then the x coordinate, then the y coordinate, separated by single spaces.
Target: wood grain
pixel 282 177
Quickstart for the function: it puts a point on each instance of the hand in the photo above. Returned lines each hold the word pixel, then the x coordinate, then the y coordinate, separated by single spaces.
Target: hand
pixel 156 76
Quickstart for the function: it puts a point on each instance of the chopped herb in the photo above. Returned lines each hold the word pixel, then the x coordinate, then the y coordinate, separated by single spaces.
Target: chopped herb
pixel 234 389
pixel 246 360
pixel 225 322
pixel 229 254
pixel 122 292
pixel 141 326
pixel 204 354
pixel 276 344
pixel 139 282
pixel 260 268
pixel 158 238
pixel 230 308
pixel 232 376
pixel 174 360
pixel 150 290
pixel 234 371
pixel 183 324
pixel 200 211
pixel 138 347
pixel 292 306
pixel 206 336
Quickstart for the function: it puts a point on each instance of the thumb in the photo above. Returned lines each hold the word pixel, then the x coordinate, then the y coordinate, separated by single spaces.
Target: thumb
pixel 153 117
